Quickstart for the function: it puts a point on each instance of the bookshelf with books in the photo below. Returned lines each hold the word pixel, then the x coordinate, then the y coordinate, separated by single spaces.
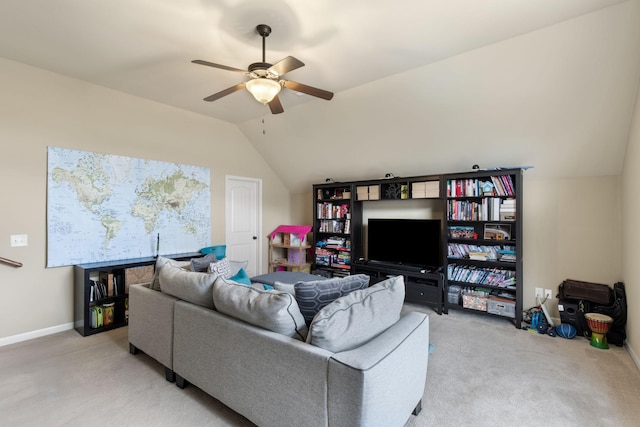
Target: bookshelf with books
pixel 101 300
pixel 483 225
pixel 335 227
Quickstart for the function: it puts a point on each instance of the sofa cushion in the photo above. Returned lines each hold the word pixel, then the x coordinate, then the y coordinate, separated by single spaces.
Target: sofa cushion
pixel 194 287
pixel 356 318
pixel 314 295
pixel 272 310
pixel 201 264
pixel 160 261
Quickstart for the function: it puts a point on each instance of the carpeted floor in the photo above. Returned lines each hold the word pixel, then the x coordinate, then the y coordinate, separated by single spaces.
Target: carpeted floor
pixel 482 372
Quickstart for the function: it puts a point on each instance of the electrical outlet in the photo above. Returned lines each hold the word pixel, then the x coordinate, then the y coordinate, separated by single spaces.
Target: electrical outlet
pixel 19 240
pixel 538 292
pixel 548 294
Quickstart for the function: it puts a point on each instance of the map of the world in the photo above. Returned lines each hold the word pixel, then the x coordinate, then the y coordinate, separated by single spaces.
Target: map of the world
pixel 103 207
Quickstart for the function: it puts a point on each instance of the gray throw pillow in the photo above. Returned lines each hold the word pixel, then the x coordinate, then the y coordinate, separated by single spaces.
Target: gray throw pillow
pixel 275 311
pixel 201 264
pixel 160 261
pixel 191 286
pixel 313 296
pixel 356 318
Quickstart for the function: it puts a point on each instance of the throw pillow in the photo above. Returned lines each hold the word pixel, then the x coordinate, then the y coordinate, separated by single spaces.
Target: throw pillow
pixel 313 296
pixel 160 261
pixel 356 318
pixel 241 277
pixel 275 311
pixel 191 286
pixel 221 268
pixel 235 266
pixel 285 277
pixel 202 264
pixel 285 287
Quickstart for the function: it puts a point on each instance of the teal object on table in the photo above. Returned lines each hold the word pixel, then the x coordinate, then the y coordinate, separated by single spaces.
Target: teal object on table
pixel 220 251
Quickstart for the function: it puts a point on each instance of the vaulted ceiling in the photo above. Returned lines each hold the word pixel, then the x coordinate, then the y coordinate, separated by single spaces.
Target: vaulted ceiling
pixel 420 87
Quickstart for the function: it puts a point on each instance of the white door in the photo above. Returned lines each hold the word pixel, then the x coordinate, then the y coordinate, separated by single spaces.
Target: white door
pixel 243 217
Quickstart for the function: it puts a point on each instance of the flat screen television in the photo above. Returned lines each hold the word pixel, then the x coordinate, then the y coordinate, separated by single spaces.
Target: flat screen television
pixel 413 242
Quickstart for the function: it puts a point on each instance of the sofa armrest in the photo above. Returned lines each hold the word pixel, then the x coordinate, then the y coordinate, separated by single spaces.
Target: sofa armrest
pixel 381 382
pixel 151 323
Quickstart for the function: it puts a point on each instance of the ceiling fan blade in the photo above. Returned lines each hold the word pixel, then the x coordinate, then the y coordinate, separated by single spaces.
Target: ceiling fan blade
pixel 211 64
pixel 225 92
pixel 287 64
pixel 309 90
pixel 276 106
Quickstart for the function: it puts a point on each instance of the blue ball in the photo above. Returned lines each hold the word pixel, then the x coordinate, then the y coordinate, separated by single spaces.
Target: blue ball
pixel 566 330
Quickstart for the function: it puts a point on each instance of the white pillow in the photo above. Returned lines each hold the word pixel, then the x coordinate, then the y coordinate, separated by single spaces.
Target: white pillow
pixel 236 266
pixel 221 268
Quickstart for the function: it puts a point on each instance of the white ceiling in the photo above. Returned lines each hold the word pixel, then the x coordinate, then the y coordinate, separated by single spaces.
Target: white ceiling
pixel 420 86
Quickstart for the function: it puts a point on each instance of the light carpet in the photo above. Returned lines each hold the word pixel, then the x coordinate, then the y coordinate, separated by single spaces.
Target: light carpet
pixel 482 372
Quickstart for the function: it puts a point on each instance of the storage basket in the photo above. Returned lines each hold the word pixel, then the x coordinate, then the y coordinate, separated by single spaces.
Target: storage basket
pixel 474 301
pixel 501 307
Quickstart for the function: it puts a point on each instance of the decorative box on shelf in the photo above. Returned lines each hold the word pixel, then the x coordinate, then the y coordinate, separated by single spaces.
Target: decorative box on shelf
pixel 475 300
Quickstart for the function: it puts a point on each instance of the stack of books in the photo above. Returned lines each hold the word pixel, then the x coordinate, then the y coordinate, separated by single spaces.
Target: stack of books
pixel 508 210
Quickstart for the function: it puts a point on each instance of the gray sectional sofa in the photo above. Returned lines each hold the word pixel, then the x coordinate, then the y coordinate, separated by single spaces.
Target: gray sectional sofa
pixel 359 362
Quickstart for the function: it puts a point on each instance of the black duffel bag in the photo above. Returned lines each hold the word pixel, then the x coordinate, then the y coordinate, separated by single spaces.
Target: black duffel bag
pixel 579 290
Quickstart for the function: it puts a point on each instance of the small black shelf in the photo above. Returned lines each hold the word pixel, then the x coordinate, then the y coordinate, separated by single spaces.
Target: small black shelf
pixel 83 274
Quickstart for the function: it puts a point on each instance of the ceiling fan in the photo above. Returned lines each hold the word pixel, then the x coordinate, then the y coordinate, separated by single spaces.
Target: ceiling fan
pixel 266 79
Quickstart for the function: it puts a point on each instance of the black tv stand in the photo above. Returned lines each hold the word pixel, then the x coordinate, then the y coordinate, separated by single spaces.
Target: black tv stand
pixel 422 285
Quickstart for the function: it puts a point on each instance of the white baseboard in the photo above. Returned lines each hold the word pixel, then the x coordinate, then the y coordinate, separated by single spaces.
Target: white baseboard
pixel 35 334
pixel 634 357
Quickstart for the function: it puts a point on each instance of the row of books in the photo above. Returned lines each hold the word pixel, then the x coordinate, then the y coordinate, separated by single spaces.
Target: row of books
pixel 328 210
pixel 482 276
pixel 338 257
pixel 501 185
pixel 462 232
pixel 335 226
pixel 105 285
pixel 487 209
pixel 482 252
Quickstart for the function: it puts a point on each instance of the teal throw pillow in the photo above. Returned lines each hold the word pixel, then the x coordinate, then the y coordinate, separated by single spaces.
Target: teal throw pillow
pixel 241 277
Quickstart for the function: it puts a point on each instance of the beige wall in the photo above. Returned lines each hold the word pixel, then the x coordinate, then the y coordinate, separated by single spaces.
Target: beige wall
pixel 40 109
pixel 631 235
pixel 572 230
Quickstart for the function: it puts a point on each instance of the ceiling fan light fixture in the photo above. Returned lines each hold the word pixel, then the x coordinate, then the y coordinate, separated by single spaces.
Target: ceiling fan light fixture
pixel 263 89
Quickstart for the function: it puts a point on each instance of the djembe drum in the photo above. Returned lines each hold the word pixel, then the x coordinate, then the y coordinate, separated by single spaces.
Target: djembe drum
pixel 599 325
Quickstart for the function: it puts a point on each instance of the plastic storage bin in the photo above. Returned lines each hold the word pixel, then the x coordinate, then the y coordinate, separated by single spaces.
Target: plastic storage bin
pixel 453 295
pixel 219 251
